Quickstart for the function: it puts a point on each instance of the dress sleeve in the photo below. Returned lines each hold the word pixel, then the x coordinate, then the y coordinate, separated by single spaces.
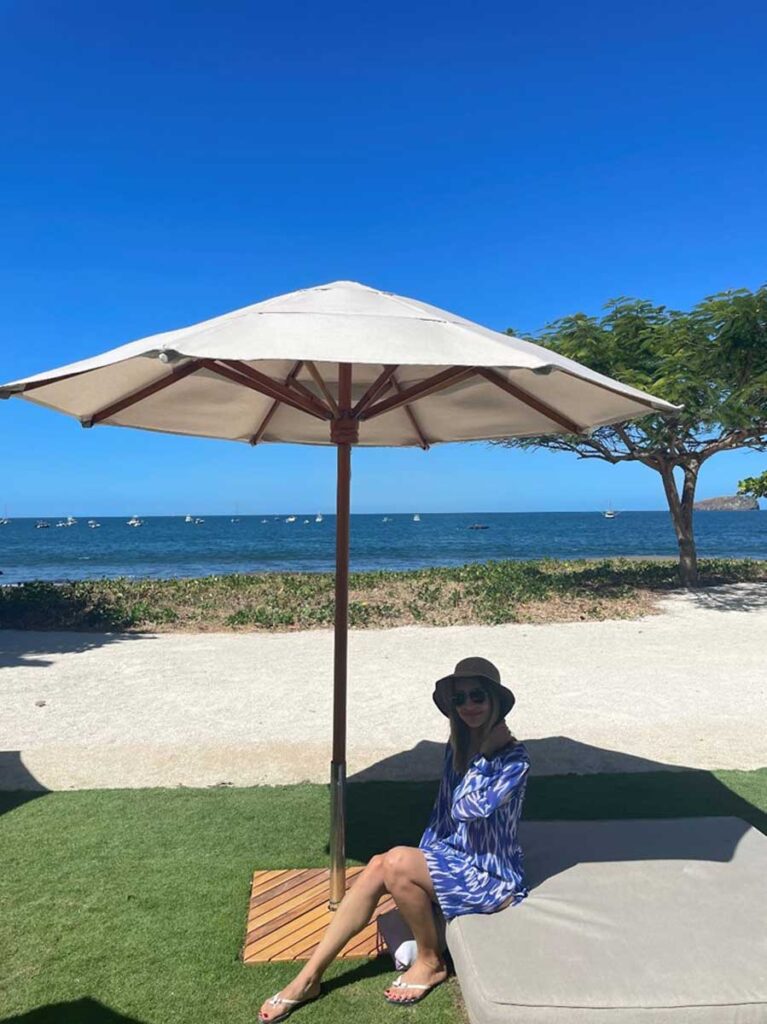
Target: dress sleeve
pixel 439 821
pixel 489 783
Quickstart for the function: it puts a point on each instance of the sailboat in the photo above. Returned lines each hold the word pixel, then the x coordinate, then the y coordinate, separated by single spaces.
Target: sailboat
pixel 609 512
pixel 416 518
pixel 318 518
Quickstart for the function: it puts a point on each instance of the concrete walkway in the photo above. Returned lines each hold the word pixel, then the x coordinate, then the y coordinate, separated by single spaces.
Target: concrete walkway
pixel 686 688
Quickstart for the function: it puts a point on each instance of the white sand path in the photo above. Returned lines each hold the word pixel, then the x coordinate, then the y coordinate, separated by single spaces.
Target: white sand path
pixel 686 688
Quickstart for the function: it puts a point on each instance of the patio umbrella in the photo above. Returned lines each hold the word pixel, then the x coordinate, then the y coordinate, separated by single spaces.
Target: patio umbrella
pixel 340 364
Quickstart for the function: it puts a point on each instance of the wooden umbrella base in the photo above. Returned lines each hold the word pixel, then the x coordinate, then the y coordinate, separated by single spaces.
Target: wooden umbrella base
pixel 288 914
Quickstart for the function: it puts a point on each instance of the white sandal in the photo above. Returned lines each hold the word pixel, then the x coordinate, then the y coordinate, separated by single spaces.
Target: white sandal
pixel 399 983
pixel 292 1005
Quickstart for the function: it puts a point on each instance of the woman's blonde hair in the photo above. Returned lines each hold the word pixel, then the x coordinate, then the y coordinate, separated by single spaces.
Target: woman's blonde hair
pixel 459 730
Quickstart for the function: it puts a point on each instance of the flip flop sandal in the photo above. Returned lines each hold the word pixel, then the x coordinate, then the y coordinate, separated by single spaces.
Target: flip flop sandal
pixel 399 983
pixel 292 1005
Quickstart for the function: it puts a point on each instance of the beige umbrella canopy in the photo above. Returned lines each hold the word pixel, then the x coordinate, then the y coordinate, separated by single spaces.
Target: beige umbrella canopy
pixel 340 364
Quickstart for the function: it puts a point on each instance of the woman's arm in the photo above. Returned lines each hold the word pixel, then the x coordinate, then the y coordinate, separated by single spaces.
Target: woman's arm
pixel 487 785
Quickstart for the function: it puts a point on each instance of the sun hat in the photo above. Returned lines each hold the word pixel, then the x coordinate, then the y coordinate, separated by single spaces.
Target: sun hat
pixel 473 668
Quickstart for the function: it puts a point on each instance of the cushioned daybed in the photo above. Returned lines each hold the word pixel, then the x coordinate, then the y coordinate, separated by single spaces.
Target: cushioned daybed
pixel 632 922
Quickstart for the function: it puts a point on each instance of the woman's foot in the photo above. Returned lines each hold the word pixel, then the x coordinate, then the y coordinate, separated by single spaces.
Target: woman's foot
pixel 420 973
pixel 297 989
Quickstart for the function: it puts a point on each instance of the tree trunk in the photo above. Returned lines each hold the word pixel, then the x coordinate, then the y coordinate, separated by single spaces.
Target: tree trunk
pixel 681 515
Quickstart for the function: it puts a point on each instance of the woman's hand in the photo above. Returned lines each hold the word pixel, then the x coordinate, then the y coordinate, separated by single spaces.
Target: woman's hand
pixel 496 739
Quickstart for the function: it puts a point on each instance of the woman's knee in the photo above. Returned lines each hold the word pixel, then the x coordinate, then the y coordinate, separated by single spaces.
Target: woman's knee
pixel 373 874
pixel 396 863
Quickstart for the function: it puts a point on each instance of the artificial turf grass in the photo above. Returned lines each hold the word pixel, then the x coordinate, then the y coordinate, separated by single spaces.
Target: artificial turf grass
pixel 130 905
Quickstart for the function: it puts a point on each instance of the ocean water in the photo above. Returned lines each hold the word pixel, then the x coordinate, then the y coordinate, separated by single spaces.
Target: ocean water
pixel 166 546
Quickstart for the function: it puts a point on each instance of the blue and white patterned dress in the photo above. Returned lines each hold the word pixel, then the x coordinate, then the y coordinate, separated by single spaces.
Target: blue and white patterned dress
pixel 470 843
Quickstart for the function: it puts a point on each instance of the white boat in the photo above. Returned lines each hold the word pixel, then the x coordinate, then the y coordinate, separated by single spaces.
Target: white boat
pixel 264 520
pixel 135 521
pixel 290 519
pixel 416 518
pixel 4 521
pixel 93 524
pixel 197 521
pixel 70 521
pixel 188 519
pixel 318 518
pixel 42 524
pixel 61 523
pixel 609 513
pixel 386 519
pixel 306 521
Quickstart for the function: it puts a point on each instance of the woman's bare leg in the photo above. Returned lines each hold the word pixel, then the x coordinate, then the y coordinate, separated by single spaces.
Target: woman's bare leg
pixel 407 878
pixel 353 913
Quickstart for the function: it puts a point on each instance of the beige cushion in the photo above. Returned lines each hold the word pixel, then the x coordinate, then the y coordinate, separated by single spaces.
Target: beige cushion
pixel 637 922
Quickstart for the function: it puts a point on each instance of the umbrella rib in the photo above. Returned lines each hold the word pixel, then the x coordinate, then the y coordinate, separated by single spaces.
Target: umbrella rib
pixel 440 381
pixel 534 403
pixel 178 373
pixel 377 388
pixel 411 416
pixel 274 407
pixel 302 389
pixel 317 377
pixel 266 386
pixel 308 400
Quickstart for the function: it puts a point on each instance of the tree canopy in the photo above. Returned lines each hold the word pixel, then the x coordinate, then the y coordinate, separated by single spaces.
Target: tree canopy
pixel 711 360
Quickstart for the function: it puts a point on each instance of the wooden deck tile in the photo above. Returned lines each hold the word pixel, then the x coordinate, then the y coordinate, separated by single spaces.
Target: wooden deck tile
pixel 288 914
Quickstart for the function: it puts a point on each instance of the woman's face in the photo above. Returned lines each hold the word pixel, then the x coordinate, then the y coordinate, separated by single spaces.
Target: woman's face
pixel 474 714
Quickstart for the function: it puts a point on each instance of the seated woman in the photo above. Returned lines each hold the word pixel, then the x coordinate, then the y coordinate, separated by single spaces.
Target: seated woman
pixel 468 860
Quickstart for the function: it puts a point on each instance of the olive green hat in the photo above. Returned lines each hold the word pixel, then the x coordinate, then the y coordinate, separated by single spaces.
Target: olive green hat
pixel 473 668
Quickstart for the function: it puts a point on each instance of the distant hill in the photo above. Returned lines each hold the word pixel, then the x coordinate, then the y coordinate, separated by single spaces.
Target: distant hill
pixel 737 503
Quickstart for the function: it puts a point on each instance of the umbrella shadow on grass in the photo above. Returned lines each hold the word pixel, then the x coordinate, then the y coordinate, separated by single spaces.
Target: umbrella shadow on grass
pixel 78 1011
pixel 17 784
pixel 382 814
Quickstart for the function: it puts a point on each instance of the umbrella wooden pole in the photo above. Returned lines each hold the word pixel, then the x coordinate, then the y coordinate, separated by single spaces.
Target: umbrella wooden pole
pixel 343 430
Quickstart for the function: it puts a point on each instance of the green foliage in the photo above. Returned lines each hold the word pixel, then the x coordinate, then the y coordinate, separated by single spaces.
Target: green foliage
pixel 712 360
pixel 755 486
pixel 491 592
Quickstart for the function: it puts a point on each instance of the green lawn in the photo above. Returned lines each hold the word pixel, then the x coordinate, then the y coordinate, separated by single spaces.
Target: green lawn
pixel 130 905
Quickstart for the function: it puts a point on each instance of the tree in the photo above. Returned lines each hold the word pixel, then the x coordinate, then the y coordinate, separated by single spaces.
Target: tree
pixel 712 360
pixel 755 486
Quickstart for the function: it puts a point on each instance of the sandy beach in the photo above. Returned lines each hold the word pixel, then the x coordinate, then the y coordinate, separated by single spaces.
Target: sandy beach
pixel 682 689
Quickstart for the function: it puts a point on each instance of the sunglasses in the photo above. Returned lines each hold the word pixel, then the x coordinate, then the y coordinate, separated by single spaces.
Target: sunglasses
pixel 477 696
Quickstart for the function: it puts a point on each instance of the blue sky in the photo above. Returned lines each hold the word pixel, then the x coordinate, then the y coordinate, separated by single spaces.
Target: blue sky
pixel 165 162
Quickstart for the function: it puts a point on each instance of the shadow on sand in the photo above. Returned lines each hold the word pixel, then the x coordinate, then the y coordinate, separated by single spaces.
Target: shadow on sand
pixel 21 648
